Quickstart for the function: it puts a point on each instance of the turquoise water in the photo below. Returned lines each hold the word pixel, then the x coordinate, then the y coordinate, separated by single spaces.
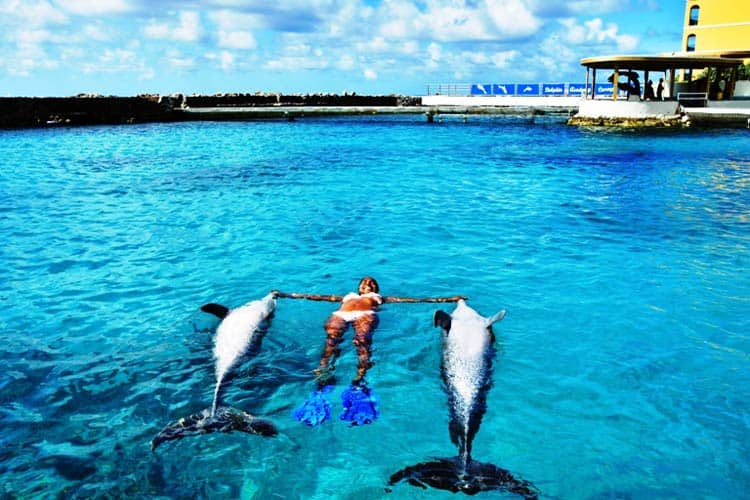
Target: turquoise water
pixel 622 258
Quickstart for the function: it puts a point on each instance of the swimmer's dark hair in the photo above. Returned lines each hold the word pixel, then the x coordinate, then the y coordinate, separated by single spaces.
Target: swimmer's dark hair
pixel 370 282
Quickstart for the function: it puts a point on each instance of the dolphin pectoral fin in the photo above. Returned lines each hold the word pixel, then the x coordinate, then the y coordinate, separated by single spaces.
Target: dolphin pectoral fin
pixel 448 474
pixel 217 310
pixel 442 319
pixel 497 317
pixel 223 420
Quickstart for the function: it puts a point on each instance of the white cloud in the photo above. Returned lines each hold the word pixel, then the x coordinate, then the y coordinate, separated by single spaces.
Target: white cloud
pixel 346 62
pixel 450 23
pixel 297 56
pixel 370 74
pixel 409 47
pixel 457 20
pixel 97 32
pixel 436 54
pixel 595 33
pixel 32 14
pixel 182 62
pixel 627 43
pixel 187 30
pixel 178 61
pixel 399 20
pixel 232 20
pixel 115 61
pixel 225 59
pixel 157 31
pixel 376 45
pixel 240 40
pixel 512 18
pixel 95 7
pixel 32 37
pixel 503 59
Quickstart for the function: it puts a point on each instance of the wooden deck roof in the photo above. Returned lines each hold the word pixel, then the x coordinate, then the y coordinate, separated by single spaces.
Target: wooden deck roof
pixel 659 63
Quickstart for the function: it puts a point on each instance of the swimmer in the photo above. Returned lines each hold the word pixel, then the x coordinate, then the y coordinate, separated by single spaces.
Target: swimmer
pixel 360 310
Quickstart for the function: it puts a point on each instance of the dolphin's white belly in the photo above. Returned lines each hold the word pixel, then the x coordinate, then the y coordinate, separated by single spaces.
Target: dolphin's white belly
pixel 464 364
pixel 235 333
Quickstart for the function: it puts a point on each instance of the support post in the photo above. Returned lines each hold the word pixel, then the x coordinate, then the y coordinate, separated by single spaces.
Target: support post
pixel 671 83
pixel 615 81
pixel 593 85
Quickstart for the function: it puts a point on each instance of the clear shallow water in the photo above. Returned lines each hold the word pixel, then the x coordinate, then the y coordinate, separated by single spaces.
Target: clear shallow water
pixel 623 368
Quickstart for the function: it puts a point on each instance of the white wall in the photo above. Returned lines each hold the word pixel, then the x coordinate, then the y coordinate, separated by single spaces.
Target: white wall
pixel 606 108
pixel 742 88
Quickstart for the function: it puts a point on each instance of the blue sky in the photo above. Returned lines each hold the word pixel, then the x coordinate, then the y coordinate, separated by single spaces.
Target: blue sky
pixel 129 47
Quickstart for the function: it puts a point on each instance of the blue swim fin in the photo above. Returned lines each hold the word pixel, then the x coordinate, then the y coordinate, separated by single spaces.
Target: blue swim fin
pixel 316 409
pixel 360 405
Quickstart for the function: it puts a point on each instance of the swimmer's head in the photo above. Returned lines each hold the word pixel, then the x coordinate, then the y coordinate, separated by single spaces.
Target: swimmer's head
pixel 368 285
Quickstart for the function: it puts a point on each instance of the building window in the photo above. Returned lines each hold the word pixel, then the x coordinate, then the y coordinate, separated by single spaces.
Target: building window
pixel 694 13
pixel 690 47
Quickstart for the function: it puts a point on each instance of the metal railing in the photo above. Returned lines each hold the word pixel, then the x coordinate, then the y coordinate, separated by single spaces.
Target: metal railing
pixel 692 99
pixel 513 89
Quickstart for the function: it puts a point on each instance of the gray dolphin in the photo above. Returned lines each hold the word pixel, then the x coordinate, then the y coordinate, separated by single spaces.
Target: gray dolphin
pixel 239 329
pixel 466 369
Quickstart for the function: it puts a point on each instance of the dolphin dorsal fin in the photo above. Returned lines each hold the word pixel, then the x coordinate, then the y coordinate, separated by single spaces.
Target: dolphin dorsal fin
pixel 216 309
pixel 497 317
pixel 442 319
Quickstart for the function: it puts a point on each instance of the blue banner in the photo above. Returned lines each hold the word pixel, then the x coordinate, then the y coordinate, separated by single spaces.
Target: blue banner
pixel 604 88
pixel 576 89
pixel 556 89
pixel 528 89
pixel 504 89
pixel 479 89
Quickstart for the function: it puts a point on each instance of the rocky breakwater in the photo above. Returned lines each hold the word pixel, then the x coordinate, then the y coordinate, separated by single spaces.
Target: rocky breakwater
pixel 86 110
pixel 17 112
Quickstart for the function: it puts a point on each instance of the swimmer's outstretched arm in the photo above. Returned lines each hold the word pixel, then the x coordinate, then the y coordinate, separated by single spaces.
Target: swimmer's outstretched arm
pixel 455 298
pixel 308 296
pixel 386 300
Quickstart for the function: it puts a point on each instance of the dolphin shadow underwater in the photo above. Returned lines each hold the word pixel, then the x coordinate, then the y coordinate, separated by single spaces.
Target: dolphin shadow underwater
pixel 466 369
pixel 240 333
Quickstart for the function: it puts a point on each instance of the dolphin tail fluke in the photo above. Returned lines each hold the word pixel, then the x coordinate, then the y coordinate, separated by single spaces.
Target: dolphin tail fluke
pixel 223 419
pixel 449 474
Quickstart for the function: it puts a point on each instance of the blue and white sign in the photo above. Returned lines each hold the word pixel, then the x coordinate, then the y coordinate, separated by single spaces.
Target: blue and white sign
pixel 576 89
pixel 604 88
pixel 504 89
pixel 481 89
pixel 554 89
pixel 527 89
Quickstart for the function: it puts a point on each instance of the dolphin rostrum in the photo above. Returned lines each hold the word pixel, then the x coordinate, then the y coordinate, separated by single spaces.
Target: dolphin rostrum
pixel 466 369
pixel 239 330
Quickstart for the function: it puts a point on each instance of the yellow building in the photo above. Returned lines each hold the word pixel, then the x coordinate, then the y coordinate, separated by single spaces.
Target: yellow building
pixel 717 28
